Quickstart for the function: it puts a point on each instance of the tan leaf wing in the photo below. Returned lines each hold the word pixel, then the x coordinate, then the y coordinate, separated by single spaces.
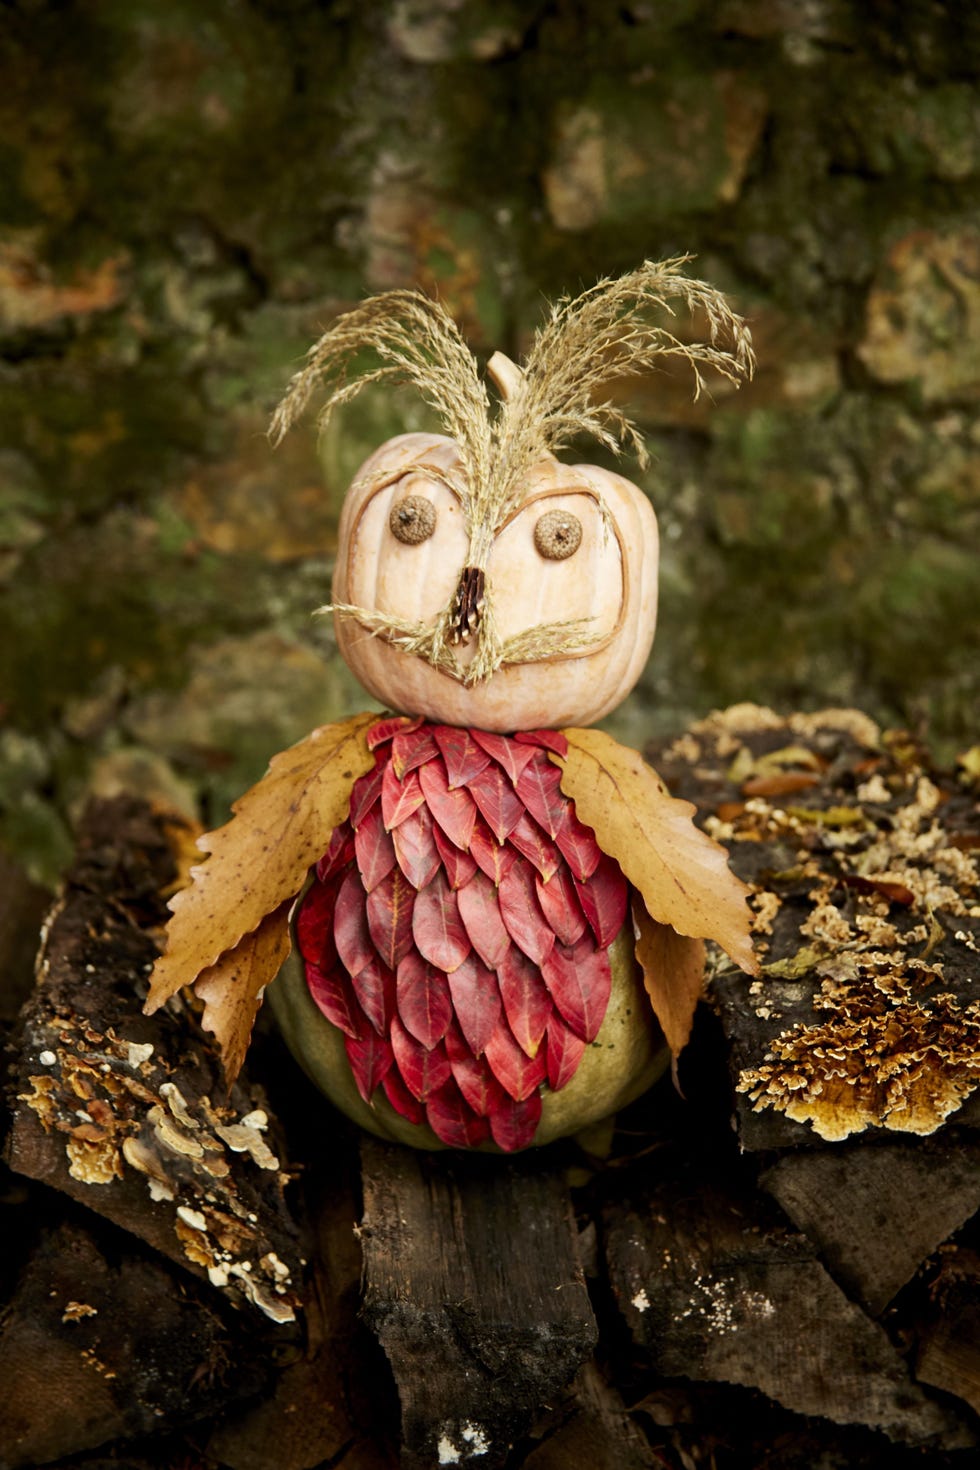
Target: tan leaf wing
pixel 232 989
pixel 260 858
pixel 673 973
pixel 681 874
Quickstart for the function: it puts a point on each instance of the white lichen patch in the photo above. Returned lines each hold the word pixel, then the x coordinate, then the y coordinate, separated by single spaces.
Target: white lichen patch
pixel 475 1436
pixel 77 1311
pixel 641 1301
pixel 447 1451
pixel 137 1053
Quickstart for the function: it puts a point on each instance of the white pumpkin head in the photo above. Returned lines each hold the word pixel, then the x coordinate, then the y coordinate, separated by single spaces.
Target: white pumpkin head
pixel 479 581
pixel 579 550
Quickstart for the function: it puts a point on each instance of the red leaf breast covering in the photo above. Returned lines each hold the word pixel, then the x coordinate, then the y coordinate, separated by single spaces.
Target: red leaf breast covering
pixel 457 930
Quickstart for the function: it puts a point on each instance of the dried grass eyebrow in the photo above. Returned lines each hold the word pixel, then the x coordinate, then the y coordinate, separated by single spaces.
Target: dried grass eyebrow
pixel 608 332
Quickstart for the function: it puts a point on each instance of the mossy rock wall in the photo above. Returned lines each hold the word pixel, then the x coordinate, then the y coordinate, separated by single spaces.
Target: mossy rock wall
pixel 189 193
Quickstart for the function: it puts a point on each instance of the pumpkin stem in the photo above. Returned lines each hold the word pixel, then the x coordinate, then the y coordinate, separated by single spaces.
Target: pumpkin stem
pixel 506 376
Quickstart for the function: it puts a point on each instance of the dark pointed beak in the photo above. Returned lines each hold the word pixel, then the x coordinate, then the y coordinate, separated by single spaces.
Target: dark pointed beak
pixel 467 605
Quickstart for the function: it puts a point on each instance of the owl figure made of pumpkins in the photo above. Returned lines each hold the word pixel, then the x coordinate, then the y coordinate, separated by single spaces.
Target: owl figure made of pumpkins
pixel 497 915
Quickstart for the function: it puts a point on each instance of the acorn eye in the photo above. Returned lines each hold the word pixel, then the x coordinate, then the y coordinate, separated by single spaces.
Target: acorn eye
pixel 558 534
pixel 412 520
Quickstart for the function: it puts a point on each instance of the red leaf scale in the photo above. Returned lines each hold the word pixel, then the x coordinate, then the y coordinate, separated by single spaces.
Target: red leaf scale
pixel 415 847
pixel 528 838
pixel 424 1003
pixel 314 924
pixel 498 802
pixel 338 854
pixel 412 748
pixel 493 859
pixel 539 789
pixel 332 991
pixel 438 929
pixel 512 757
pixel 399 798
pixel 364 793
pixel 476 1001
pixel 456 930
pixel 513 1124
pixel 604 899
pixel 401 1099
pixel 371 1057
pixel 350 930
pixel 480 913
pixel 374 987
pixel 578 847
pixel 559 904
pixel 452 1121
pixel 521 913
pixel 546 739
pixel 385 730
pixel 473 1075
pixel 423 1070
pixel 463 757
pixel 389 917
pixel 563 1052
pixel 373 849
pixel 459 865
pixel 580 980
pixel 527 1000
pixel 516 1072
pixel 454 811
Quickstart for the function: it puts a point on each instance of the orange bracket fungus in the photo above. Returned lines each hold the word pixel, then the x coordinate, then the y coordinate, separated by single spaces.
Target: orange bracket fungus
pixel 498 915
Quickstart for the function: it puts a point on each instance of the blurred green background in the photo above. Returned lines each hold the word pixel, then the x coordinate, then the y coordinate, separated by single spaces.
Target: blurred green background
pixel 190 192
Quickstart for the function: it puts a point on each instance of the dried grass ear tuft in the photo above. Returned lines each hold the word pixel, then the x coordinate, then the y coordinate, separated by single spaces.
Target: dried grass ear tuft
pixel 418 343
pixel 604 334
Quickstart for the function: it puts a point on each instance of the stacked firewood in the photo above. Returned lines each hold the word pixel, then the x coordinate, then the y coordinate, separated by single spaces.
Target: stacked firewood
pixel 773 1259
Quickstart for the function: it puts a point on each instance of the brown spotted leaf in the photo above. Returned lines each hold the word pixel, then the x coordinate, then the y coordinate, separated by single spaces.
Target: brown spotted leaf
pixel 673 973
pixel 682 875
pixel 232 989
pixel 260 858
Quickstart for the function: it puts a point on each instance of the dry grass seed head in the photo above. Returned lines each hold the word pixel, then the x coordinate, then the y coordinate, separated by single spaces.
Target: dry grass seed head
pixel 588 341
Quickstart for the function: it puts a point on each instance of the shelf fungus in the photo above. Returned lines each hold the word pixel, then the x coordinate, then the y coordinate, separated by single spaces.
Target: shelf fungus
pixel 866 902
